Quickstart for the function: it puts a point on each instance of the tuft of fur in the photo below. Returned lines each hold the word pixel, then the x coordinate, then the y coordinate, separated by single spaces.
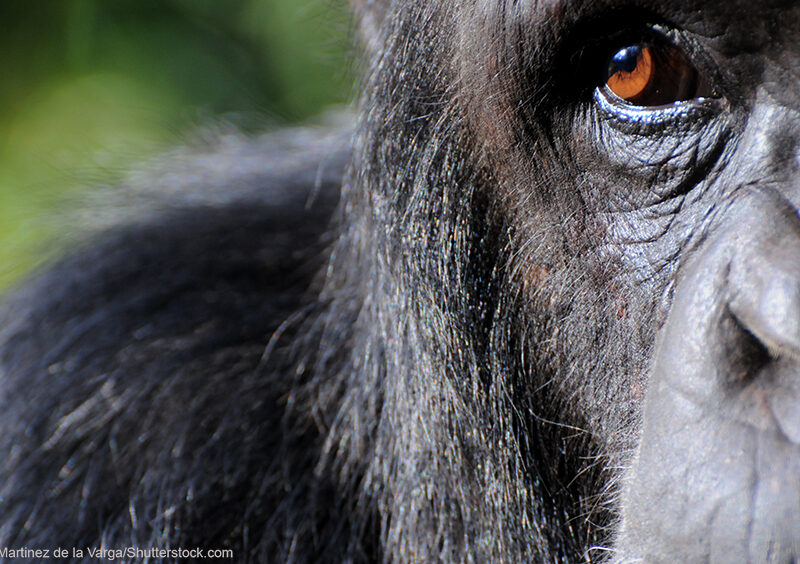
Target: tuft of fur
pixel 143 404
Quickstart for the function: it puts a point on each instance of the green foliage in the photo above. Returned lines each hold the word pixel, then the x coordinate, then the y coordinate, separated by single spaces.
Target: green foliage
pixel 91 86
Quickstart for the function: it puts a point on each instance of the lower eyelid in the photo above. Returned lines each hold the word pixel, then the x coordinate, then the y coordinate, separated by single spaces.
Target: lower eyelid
pixel 642 120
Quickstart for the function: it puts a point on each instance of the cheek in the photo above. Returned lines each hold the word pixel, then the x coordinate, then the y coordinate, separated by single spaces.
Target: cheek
pixel 595 331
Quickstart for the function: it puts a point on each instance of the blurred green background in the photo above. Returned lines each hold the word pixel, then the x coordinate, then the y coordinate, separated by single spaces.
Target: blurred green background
pixel 90 87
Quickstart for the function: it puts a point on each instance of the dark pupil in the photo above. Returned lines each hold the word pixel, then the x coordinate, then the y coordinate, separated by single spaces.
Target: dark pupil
pixel 625 60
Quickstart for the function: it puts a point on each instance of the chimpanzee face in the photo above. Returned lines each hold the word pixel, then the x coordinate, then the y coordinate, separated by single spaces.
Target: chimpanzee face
pixel 647 155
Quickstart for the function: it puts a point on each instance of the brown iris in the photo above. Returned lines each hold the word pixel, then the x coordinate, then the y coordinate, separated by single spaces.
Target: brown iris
pixel 653 75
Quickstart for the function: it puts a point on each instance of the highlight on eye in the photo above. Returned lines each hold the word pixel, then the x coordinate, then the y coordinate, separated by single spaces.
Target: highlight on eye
pixel 653 75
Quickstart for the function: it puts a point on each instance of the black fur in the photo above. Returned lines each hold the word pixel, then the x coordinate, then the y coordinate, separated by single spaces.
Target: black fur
pixel 537 325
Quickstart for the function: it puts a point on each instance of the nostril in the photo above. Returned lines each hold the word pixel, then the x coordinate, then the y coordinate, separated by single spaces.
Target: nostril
pixel 745 355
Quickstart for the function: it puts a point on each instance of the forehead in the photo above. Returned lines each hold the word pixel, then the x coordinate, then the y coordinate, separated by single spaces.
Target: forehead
pixel 742 18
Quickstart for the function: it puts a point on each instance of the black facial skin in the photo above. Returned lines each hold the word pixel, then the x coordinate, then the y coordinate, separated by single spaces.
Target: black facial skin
pixel 543 325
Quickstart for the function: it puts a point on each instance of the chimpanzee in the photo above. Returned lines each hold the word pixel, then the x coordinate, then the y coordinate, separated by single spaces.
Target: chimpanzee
pixel 541 304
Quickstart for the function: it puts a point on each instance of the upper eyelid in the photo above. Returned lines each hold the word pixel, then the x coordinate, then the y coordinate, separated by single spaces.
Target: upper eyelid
pixel 591 54
pixel 580 64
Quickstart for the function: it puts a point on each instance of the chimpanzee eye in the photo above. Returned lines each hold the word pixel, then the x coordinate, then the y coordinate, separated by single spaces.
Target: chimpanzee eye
pixel 654 74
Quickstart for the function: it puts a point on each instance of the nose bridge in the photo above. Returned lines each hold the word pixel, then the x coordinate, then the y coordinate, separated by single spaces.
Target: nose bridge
pixel 768 154
pixel 781 58
pixel 764 273
pixel 748 271
pixel 750 265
